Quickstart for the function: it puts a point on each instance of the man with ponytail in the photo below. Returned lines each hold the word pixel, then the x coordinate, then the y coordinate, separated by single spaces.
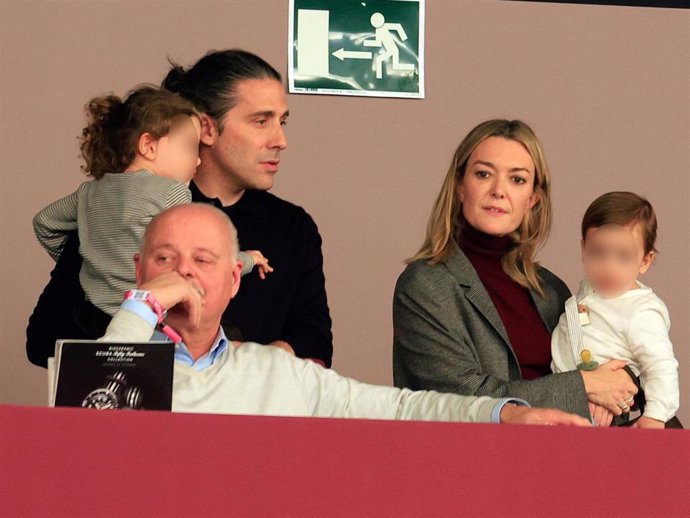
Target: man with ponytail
pixel 243 113
pixel 242 109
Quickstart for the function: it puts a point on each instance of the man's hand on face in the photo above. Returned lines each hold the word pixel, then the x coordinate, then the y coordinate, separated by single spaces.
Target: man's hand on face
pixel 513 414
pixel 173 290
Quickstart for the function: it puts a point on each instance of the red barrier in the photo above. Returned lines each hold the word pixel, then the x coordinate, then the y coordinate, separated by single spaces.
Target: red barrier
pixel 73 462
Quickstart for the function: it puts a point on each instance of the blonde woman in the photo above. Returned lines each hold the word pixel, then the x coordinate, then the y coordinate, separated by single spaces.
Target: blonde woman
pixel 473 311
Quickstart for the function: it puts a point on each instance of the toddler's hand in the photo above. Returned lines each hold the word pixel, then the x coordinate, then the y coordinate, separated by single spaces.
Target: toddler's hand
pixel 648 422
pixel 260 263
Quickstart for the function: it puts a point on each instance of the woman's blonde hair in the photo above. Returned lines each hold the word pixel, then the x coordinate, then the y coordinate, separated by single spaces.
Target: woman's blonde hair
pixel 446 221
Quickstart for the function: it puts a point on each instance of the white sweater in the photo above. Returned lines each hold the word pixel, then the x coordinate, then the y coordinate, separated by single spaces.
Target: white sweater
pixel 254 379
pixel 632 327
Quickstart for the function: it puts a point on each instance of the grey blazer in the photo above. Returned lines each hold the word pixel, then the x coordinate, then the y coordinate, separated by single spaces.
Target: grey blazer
pixel 448 336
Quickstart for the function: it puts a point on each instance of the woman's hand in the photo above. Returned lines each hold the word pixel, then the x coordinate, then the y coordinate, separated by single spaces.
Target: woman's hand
pixel 610 386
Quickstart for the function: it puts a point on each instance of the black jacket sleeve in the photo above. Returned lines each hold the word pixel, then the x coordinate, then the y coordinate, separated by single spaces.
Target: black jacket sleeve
pixel 53 316
pixel 308 326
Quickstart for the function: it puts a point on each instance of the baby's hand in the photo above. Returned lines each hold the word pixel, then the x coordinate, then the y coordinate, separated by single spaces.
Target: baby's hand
pixel 648 422
pixel 260 263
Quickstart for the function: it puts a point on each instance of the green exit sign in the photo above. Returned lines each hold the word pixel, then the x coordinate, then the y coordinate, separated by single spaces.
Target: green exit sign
pixel 347 47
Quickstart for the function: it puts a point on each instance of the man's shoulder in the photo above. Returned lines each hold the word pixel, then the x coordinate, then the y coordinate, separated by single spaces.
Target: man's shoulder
pixel 275 204
pixel 249 347
pixel 287 215
pixel 256 352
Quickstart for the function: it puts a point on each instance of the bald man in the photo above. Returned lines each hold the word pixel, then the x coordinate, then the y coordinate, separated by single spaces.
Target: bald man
pixel 188 264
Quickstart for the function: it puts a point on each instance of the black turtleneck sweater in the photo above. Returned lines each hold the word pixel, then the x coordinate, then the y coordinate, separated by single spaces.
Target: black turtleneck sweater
pixel 528 335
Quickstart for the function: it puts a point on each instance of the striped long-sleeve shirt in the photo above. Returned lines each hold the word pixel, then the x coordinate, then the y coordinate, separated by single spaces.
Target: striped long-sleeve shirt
pixel 110 215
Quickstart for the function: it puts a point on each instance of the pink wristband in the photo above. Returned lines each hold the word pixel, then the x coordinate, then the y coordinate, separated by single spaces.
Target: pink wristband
pixel 148 298
pixel 170 332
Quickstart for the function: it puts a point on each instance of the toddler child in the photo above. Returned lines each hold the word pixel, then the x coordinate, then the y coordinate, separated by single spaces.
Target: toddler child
pixel 616 315
pixel 141 152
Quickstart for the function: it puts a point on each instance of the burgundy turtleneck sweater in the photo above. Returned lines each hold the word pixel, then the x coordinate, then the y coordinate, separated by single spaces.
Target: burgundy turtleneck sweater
pixel 528 335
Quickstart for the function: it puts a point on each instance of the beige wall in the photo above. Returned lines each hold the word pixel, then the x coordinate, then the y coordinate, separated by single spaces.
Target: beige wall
pixel 606 88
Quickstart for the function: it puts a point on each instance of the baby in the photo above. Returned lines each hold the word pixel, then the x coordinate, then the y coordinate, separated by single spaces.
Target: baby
pixel 616 316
